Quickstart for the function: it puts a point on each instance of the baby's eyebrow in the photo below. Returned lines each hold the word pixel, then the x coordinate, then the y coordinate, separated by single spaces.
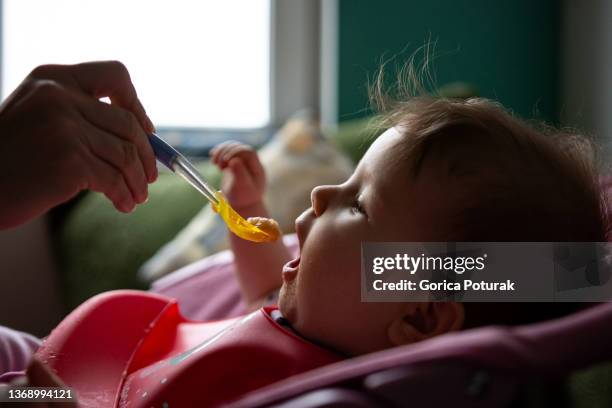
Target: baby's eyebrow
pixel 369 195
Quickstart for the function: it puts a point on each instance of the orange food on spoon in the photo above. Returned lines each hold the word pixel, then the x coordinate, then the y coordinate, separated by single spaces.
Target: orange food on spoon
pixel 256 229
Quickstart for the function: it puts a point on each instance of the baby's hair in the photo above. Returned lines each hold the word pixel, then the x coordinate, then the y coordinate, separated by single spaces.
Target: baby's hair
pixel 514 181
pixel 509 180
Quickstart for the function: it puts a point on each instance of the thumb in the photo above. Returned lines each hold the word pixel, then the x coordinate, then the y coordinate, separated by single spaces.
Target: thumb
pixel 41 375
pixel 112 79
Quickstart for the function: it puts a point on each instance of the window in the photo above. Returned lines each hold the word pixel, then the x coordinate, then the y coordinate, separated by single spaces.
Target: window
pixel 195 64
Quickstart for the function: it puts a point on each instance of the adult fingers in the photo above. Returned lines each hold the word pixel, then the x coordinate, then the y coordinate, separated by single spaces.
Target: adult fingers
pixel 121 123
pixel 106 179
pixel 122 155
pixel 112 79
pixel 99 79
pixel 39 375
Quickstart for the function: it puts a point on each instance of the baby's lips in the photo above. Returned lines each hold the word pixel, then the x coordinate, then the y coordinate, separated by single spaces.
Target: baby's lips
pixel 290 269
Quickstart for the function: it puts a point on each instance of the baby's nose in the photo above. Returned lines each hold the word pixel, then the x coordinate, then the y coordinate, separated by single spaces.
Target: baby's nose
pixel 319 198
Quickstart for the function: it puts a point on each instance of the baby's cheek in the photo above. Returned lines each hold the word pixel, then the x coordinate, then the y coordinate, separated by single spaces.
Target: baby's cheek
pixel 335 289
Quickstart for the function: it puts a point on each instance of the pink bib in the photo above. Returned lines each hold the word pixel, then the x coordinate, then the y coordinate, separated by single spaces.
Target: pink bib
pixel 130 348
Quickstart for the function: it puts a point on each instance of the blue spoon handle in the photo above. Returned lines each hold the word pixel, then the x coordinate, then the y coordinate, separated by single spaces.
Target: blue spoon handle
pixel 172 159
pixel 165 153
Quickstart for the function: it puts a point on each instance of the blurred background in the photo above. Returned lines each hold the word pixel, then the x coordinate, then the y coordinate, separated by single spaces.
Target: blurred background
pixel 287 76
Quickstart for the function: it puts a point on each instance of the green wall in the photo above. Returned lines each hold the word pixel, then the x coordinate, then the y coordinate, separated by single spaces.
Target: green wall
pixel 508 49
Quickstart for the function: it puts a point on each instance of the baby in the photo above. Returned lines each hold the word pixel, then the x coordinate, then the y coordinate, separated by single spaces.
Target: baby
pixel 444 170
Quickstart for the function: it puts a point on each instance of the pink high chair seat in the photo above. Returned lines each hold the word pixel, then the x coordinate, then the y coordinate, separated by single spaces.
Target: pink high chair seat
pixel 483 367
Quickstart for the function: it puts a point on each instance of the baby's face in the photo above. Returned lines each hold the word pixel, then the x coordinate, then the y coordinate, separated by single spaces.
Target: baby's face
pixel 381 201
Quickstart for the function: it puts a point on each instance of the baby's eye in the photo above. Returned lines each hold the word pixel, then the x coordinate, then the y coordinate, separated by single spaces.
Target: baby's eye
pixel 357 208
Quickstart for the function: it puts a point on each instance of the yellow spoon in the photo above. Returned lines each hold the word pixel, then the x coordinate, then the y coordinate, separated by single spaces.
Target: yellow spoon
pixel 266 230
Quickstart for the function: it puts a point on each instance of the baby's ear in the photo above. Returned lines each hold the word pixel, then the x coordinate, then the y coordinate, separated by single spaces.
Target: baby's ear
pixel 422 320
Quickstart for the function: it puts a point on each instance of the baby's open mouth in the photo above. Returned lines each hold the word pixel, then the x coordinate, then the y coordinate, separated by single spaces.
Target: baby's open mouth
pixel 290 269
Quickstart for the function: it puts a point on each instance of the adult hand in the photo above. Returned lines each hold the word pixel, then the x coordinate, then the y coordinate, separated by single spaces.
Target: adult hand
pixel 37 375
pixel 57 138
